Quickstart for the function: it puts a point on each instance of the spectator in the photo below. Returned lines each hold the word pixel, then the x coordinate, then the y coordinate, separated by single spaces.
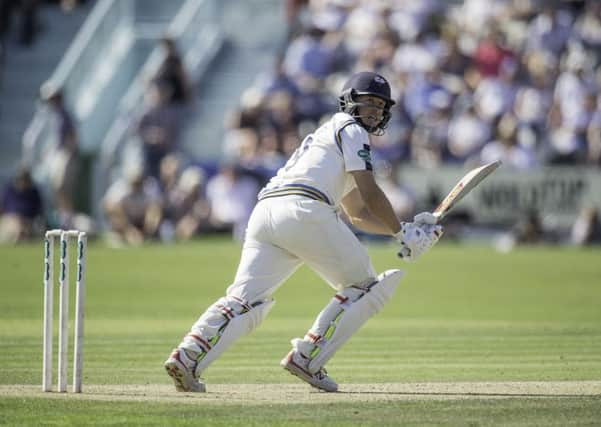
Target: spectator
pixel 158 128
pixel 453 60
pixel 64 147
pixel 381 53
pixel 232 197
pixel 573 86
pixel 429 136
pixel 492 54
pixel 277 81
pixel 506 147
pixel 297 16
pixel 69 5
pixel 467 134
pixel 535 96
pixel 529 229
pixel 588 25
pixel 495 95
pixel 308 57
pixel 314 101
pixel 270 151
pixel 330 15
pixel 29 22
pixel 20 207
pixel 572 111
pixel 593 155
pixel 169 174
pixel 550 30
pixel 290 142
pixel 362 25
pixel 418 57
pixel 280 110
pixel 174 74
pixel 422 88
pixel 587 228
pixel 250 113
pixel 132 209
pixel 475 16
pixel 410 19
pixel 186 211
pixel 163 190
pixel 242 145
pixel 564 147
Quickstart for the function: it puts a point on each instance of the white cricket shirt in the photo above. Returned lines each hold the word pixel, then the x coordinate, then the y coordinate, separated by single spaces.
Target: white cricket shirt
pixel 319 167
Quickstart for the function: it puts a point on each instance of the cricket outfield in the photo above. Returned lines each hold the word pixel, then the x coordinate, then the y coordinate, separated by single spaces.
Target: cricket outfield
pixel 472 337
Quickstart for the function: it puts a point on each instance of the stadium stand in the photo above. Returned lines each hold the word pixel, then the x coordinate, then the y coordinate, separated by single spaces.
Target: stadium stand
pixel 230 86
pixel 24 67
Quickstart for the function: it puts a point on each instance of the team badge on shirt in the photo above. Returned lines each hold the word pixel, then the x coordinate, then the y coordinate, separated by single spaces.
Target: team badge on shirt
pixel 364 154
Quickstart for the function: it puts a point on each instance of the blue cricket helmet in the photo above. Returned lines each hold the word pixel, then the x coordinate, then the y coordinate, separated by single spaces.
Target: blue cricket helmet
pixel 366 83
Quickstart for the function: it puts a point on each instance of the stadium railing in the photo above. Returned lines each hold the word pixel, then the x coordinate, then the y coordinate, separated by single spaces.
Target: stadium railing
pixel 111 55
pixel 199 36
pixel 97 68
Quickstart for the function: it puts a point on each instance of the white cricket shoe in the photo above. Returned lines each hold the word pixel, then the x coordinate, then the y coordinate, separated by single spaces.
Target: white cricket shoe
pixel 181 370
pixel 296 364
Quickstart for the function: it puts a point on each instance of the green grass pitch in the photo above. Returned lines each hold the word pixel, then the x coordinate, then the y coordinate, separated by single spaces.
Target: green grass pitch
pixel 472 337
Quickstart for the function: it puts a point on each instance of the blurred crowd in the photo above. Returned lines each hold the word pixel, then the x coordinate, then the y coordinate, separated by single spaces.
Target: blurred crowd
pixel 164 196
pixel 167 195
pixel 475 81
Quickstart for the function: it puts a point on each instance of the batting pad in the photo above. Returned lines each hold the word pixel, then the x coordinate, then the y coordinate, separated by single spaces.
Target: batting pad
pixel 354 315
pixel 235 328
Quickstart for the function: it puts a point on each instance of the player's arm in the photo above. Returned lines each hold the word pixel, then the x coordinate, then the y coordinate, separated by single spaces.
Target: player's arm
pixel 415 239
pixel 359 215
pixel 368 207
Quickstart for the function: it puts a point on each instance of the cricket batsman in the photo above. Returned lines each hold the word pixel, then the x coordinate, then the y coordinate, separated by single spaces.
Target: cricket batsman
pixel 297 220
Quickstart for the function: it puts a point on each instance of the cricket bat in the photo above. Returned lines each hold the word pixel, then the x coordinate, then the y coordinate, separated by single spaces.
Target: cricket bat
pixel 466 184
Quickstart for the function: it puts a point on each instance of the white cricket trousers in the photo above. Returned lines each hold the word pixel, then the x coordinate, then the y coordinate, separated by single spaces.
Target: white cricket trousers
pixel 285 232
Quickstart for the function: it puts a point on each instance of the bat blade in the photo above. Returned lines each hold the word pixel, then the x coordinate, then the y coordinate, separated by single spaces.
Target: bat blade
pixel 463 187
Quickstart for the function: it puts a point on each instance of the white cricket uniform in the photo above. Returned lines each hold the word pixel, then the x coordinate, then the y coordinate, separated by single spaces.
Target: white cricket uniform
pixel 296 220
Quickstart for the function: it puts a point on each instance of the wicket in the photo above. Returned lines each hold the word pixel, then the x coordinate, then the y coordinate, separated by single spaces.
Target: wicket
pixel 63 334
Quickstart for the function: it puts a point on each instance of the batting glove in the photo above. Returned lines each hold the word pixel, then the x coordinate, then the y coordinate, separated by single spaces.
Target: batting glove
pixel 417 238
pixel 425 218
